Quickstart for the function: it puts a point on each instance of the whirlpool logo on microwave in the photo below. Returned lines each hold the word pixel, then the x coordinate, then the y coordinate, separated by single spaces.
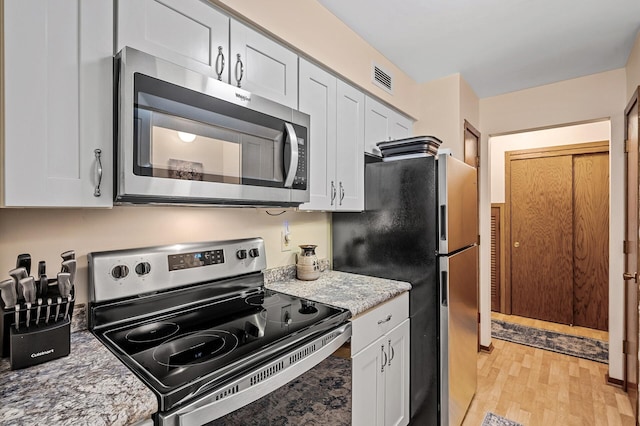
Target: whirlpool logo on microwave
pixel 243 97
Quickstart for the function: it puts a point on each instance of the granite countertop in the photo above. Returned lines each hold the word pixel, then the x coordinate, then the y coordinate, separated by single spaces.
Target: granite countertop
pixel 88 387
pixel 357 293
pixel 92 387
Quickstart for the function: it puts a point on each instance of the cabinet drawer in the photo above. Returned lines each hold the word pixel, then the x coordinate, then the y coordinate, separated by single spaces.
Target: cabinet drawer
pixel 372 324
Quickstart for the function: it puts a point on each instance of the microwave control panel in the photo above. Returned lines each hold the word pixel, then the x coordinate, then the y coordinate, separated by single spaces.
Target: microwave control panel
pixel 300 180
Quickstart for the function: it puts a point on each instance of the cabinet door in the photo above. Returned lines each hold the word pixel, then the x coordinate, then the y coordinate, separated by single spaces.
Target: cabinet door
pixel 376 125
pixel 396 392
pixel 318 99
pixel 382 123
pixel 350 148
pixel 57 102
pixel 400 126
pixel 262 66
pixel 190 33
pixel 367 387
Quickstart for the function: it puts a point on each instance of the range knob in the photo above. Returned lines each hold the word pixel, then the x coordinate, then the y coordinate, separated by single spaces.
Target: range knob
pixel 143 268
pixel 119 271
pixel 241 254
pixel 254 252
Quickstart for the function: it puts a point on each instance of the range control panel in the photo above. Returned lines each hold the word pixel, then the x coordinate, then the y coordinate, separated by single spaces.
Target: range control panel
pixel 195 259
pixel 124 273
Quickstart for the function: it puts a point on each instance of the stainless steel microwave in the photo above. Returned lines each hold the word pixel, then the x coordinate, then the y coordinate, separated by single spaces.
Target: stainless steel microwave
pixel 184 137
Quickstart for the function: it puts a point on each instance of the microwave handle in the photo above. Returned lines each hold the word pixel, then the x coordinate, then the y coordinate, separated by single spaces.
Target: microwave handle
pixel 291 155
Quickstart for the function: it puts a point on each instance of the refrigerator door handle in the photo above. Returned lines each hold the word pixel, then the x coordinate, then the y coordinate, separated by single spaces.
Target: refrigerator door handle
pixel 443 222
pixel 443 283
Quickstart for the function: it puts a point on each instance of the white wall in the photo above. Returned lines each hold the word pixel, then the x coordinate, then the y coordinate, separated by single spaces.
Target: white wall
pixel 595 97
pixel 567 135
pixel 633 68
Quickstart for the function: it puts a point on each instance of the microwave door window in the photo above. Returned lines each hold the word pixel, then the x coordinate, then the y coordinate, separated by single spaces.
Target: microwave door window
pixel 262 160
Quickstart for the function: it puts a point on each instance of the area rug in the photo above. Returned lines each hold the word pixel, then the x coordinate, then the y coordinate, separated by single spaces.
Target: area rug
pixel 581 347
pixel 495 420
pixel 319 397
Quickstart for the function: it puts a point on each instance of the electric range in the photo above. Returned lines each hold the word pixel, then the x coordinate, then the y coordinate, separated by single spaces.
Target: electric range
pixel 195 323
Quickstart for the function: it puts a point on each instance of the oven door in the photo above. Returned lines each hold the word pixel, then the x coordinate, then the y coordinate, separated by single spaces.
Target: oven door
pixel 256 383
pixel 185 137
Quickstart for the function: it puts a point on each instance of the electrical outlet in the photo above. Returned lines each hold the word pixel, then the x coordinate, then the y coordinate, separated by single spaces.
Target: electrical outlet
pixel 285 237
pixel 285 241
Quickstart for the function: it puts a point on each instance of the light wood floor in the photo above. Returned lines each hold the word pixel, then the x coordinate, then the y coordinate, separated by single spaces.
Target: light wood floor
pixel 537 387
pixel 552 326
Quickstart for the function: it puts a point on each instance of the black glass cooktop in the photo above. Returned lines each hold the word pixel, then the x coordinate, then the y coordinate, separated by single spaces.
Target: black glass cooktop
pixel 219 340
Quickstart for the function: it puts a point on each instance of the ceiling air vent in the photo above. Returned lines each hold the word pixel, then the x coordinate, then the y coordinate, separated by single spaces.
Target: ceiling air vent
pixel 382 78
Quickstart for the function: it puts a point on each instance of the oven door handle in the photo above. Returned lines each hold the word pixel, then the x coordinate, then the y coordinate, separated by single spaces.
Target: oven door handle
pixel 290 154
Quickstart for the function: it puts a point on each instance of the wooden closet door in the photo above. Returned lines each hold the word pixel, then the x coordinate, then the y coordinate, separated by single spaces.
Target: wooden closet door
pixel 542 238
pixel 591 240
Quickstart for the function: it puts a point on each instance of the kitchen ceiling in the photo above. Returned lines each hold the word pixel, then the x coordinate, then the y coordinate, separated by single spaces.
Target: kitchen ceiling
pixel 498 46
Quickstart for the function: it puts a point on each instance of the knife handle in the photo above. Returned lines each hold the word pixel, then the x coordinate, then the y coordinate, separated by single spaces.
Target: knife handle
pixel 24 261
pixel 70 267
pixel 68 255
pixel 48 311
pixel 43 285
pixel 17 274
pixel 8 293
pixel 42 268
pixel 28 289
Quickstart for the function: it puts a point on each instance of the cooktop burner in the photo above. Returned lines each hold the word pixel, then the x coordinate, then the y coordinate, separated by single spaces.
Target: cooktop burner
pixel 195 348
pixel 152 332
pixel 262 300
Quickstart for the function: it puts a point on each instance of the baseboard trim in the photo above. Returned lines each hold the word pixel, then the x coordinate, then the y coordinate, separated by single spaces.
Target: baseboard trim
pixel 487 349
pixel 614 382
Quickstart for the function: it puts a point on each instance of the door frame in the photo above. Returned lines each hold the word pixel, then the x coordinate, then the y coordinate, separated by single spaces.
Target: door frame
pixel 630 388
pixel 542 152
pixel 468 127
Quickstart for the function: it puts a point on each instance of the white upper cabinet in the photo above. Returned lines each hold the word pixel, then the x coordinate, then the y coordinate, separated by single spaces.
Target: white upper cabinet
pixel 350 148
pixel 190 33
pixel 382 124
pixel 336 140
pixel 318 99
pixel 58 103
pixel 262 66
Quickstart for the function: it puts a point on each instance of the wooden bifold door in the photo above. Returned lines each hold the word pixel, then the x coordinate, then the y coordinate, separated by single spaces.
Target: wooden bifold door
pixel 557 206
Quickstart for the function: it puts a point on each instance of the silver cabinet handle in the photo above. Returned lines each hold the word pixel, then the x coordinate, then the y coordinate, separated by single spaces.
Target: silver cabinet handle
pixel 98 153
pixel 239 62
pixel 220 60
pixel 384 356
pixel 392 353
pixel 292 143
pixel 333 192
pixel 341 193
pixel 387 319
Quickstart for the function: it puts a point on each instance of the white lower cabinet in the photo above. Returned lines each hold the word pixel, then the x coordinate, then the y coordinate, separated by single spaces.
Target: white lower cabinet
pixel 380 371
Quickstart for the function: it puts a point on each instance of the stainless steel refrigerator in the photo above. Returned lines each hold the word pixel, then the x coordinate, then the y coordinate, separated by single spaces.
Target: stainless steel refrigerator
pixel 420 225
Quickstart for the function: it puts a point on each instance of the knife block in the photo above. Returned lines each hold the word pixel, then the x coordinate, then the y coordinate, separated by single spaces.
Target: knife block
pixel 54 335
pixel 36 345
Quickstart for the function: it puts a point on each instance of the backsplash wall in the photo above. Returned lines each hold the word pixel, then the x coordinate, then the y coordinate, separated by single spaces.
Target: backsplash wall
pixel 45 233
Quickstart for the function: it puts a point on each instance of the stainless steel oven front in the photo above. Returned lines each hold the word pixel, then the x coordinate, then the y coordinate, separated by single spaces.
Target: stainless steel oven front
pixel 187 138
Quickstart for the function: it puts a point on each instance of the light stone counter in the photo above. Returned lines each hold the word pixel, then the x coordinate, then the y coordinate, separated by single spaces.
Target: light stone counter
pixel 92 387
pixel 88 387
pixel 357 293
